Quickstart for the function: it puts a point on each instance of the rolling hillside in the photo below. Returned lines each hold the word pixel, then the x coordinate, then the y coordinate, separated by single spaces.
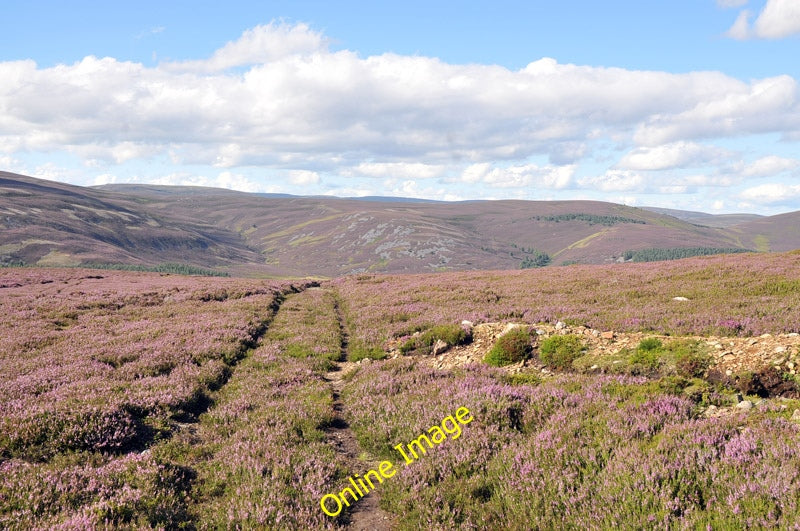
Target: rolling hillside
pixel 49 223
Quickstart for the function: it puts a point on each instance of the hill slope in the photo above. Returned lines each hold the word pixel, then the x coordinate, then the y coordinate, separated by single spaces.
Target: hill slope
pixel 57 224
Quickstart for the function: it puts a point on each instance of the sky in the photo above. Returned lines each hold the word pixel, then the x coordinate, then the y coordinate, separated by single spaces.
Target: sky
pixel 689 104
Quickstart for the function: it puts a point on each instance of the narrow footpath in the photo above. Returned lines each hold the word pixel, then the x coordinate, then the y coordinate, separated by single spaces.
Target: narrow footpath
pixel 366 514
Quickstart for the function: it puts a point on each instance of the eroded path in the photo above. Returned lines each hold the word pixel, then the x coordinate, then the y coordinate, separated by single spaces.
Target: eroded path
pixel 366 513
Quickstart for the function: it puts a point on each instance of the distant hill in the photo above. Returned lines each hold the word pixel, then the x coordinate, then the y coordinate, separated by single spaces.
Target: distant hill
pixel 774 233
pixel 48 223
pixel 709 220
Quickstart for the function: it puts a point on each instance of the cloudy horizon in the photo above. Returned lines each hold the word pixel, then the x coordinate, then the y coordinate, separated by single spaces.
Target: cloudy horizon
pixel 281 107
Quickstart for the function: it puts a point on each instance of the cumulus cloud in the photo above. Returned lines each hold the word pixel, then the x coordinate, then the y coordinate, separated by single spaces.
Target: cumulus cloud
pixel 261 44
pixel 614 181
pixel 520 176
pixel 673 155
pixel 303 177
pixel 779 19
pixel 304 103
pixel 762 106
pixel 771 193
pixel 278 98
pixel 769 166
pixel 416 170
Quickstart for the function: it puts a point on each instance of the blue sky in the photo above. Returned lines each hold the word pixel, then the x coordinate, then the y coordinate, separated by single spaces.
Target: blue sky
pixel 687 104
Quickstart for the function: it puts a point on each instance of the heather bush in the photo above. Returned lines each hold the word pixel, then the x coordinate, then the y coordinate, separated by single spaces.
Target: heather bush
pixel 511 347
pixel 452 334
pixel 559 352
pixel 768 382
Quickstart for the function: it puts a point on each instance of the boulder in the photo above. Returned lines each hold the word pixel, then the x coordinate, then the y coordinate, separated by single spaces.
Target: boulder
pixel 439 347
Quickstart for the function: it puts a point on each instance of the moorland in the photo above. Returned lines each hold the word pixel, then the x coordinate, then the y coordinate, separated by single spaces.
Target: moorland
pixel 156 400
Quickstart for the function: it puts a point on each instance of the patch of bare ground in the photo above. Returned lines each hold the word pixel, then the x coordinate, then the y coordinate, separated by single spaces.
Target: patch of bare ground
pixel 730 355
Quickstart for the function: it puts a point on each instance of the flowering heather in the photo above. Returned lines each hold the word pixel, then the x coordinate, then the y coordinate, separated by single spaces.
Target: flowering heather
pixel 108 362
pixel 574 452
pixel 146 401
pixel 740 294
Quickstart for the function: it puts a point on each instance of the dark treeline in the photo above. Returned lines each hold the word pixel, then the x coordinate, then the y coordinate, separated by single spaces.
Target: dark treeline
pixel 591 219
pixel 675 253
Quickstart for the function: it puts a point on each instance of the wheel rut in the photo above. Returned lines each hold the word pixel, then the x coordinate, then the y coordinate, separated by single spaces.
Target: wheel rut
pixel 366 514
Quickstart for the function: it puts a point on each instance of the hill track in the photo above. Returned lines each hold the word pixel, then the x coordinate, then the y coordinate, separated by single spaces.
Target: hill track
pixel 366 514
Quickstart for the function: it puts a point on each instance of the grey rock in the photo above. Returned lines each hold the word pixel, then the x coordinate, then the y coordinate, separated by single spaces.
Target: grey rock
pixel 439 347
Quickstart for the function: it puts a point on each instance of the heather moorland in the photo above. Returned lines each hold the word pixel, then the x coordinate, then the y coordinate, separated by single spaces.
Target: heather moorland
pixel 144 400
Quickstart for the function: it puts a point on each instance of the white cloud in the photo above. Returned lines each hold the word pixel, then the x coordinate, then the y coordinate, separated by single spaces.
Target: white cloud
pixel 225 179
pixel 674 155
pixel 303 177
pixel 521 176
pixel 278 99
pixel 614 181
pixel 337 110
pixel 769 166
pixel 9 163
pixel 740 30
pixel 260 44
pixel 767 105
pixel 779 19
pixel 415 170
pixel 771 193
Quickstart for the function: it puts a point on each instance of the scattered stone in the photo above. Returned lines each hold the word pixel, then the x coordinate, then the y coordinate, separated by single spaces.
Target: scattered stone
pixel 560 325
pixel 765 336
pixel 796 416
pixel 790 365
pixel 744 404
pixel 779 348
pixel 728 372
pixel 792 334
pixel 365 361
pixel 680 299
pixel 467 323
pixel 594 367
pixel 607 335
pixel 439 347
pixel 596 333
